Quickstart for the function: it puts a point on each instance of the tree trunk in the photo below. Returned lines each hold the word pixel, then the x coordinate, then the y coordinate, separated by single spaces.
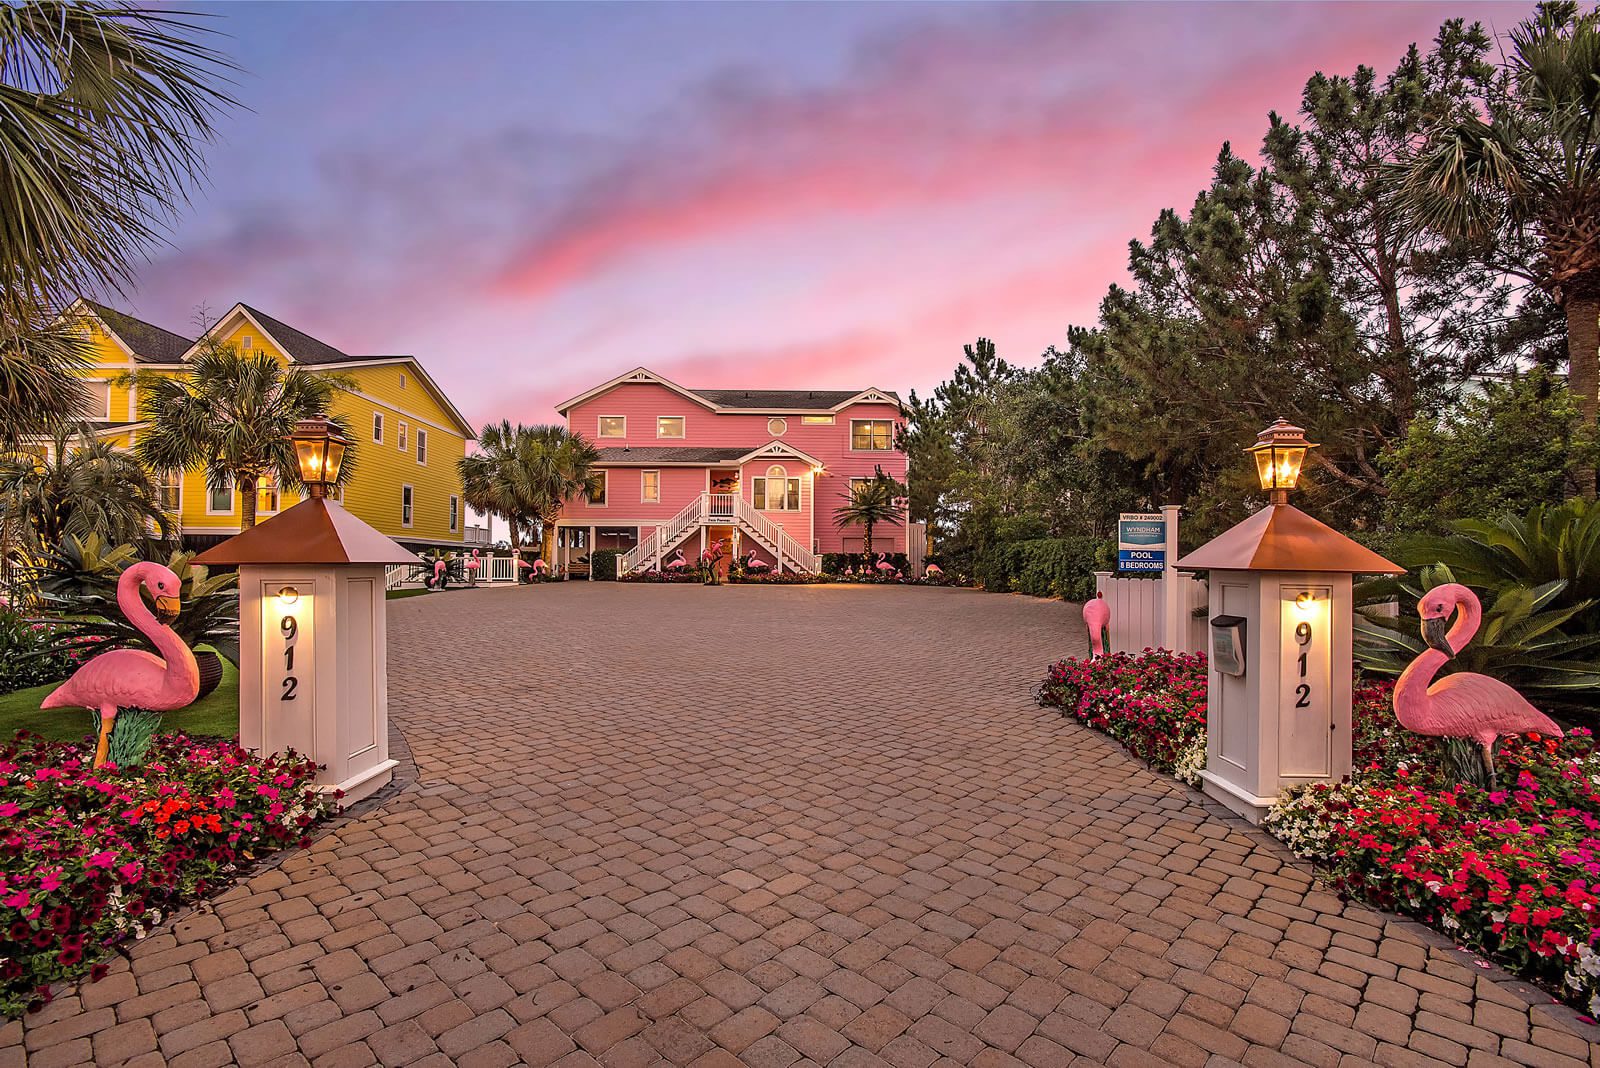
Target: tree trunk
pixel 1583 370
pixel 547 543
pixel 866 542
pixel 247 507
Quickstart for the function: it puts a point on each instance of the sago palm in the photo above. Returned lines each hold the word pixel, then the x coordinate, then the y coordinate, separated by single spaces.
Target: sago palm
pixel 84 487
pixel 231 417
pixel 1529 166
pixel 879 501
pixel 103 112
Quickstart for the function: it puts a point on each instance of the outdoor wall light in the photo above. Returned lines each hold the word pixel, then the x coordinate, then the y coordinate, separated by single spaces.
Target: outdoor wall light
pixel 1280 450
pixel 288 595
pixel 319 447
pixel 1304 601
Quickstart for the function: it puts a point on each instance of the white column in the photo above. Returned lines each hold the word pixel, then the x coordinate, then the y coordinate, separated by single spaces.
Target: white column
pixel 1172 617
pixel 591 554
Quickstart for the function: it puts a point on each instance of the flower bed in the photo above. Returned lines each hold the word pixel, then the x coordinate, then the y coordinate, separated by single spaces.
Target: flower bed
pixel 1512 872
pixel 92 859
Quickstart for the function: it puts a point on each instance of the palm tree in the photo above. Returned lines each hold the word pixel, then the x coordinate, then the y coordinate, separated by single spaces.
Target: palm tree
pixel 231 417
pixel 878 500
pixel 84 486
pixel 1530 168
pixel 563 467
pixel 103 113
pixel 495 480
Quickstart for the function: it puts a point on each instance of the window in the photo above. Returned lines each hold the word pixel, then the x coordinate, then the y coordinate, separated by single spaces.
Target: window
pixel 816 420
pixel 669 426
pixel 405 504
pixel 613 426
pixel 402 380
pixel 219 499
pixel 776 426
pixel 169 491
pixel 377 427
pixel 99 399
pixel 596 491
pixel 247 344
pixel 267 494
pixel 455 511
pixel 422 446
pixel 775 492
pixel 871 435
pixel 405 436
pixel 650 486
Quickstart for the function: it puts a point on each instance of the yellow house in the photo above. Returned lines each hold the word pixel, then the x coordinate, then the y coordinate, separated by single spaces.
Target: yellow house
pixel 408 435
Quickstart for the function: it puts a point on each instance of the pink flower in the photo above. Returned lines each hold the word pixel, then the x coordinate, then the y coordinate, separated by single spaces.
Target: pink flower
pixel 102 860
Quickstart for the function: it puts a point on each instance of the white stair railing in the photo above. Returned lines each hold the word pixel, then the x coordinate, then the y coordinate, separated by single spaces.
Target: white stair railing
pixel 776 538
pixel 663 537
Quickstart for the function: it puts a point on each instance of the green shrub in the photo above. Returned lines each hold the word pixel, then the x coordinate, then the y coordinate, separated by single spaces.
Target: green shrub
pixel 603 564
pixel 861 563
pixel 28 654
pixel 1043 567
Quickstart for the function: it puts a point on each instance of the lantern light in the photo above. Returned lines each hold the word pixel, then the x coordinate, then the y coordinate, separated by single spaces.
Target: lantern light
pixel 288 595
pixel 1280 450
pixel 319 447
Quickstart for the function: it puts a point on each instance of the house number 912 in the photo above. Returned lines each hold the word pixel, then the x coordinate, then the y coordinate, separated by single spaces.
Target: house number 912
pixel 1302 692
pixel 291 631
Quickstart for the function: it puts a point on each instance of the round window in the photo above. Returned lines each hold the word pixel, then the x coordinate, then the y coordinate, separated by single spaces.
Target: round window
pixel 776 426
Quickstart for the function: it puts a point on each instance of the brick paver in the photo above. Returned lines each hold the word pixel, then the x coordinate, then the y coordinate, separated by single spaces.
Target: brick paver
pixel 783 826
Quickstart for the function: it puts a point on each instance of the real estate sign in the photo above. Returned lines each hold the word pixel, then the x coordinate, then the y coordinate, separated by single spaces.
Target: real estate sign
pixel 1141 541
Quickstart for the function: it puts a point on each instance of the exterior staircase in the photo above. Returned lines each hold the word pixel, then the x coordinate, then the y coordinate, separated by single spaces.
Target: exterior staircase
pixel 719 509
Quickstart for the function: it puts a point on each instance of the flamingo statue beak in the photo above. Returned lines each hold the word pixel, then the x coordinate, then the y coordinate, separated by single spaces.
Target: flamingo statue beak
pixel 167 608
pixel 1434 632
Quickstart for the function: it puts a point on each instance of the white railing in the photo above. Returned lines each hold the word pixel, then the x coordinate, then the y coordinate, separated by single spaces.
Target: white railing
pixel 394 575
pixel 663 537
pixel 497 569
pixel 475 535
pixel 719 508
pixel 777 539
pixel 1138 612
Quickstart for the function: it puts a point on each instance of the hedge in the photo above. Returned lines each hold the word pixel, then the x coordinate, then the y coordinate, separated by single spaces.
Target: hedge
pixel 603 564
pixel 1043 567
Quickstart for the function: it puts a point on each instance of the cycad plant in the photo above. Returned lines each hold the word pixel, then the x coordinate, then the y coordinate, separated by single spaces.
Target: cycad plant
pixel 104 110
pixel 231 417
pixel 1529 167
pixel 878 501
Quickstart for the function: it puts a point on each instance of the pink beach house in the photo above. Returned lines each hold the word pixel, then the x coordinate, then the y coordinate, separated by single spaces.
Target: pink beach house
pixel 763 470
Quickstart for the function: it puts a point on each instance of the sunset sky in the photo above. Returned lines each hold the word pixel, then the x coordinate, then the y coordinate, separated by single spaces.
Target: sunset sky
pixel 534 198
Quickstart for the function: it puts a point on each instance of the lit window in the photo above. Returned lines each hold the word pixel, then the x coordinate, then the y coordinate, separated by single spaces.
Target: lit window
pixel 596 491
pixel 405 436
pixel 99 399
pixel 871 435
pixel 169 492
pixel 455 511
pixel 377 426
pixel 422 446
pixel 219 499
pixel 405 505
pixel 613 426
pixel 775 492
pixel 816 420
pixel 669 426
pixel 650 488
pixel 776 426
pixel 267 494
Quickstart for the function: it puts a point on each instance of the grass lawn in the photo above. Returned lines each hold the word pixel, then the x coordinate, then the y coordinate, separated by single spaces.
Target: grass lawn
pixel 215 714
pixel 395 595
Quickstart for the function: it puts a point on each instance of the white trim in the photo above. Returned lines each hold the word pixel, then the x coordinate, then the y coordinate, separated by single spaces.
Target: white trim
pixel 814 419
pixel 777 448
pixel 599 423
pixel 233 492
pixel 177 508
pixel 777 419
pixel 455 512
pixel 405 489
pixel 421 451
pixel 107 382
pixel 402 436
pixel 684 419
pixel 386 406
pixel 463 428
pixel 605 490
pixel 645 376
pixel 377 427
pixel 850 445
pixel 649 471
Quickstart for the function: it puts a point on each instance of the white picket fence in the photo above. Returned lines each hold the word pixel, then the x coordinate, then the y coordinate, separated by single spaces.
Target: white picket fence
pixel 1138 613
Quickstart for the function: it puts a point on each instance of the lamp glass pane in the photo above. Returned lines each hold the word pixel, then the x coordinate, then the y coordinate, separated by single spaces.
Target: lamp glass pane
pixel 1264 466
pixel 309 456
pixel 335 458
pixel 1288 464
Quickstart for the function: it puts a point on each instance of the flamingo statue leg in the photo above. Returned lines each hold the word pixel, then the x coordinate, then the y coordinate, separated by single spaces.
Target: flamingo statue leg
pixel 108 720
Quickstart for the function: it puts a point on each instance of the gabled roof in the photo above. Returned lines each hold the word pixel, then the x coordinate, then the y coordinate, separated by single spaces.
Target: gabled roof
pixel 746 400
pixel 148 342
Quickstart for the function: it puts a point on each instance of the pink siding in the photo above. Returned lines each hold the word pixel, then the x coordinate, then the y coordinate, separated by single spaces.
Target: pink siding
pixel 641 403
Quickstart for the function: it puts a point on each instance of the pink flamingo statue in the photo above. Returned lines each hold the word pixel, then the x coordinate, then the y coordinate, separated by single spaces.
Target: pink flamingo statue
pixel 850 571
pixel 1097 617
pixel 472 568
pixel 677 563
pixel 883 566
pixel 133 678
pixel 934 571
pixel 1466 704
pixel 540 567
pixel 754 565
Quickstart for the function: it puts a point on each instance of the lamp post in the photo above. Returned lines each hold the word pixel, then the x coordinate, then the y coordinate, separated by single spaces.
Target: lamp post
pixel 1278 701
pixel 312 626
pixel 1279 452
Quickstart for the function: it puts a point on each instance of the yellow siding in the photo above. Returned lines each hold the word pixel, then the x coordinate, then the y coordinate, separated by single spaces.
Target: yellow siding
pixel 374 494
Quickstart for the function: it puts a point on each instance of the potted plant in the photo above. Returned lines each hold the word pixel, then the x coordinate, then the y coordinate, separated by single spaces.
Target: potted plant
pixel 77 585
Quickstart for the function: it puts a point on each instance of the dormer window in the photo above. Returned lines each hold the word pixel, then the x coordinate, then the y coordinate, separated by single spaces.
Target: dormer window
pixel 669 426
pixel 613 426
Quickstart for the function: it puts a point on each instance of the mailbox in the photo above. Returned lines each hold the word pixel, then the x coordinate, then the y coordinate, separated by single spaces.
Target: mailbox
pixel 1227 644
pixel 1278 704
